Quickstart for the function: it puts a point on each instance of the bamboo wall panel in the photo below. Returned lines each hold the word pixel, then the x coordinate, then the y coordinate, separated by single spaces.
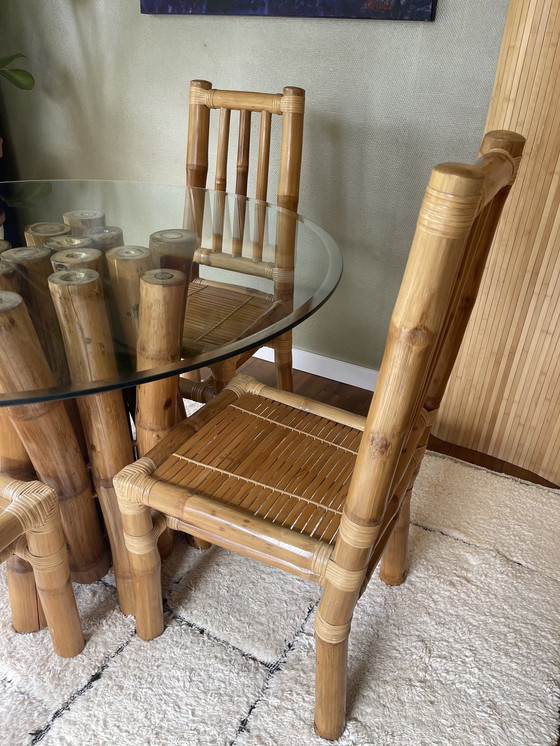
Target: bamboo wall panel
pixel 504 397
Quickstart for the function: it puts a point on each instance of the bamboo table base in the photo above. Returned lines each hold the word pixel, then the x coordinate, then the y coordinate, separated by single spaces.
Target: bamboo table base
pixel 48 437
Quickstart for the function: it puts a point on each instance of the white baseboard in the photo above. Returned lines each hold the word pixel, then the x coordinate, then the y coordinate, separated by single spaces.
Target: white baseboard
pixel 328 367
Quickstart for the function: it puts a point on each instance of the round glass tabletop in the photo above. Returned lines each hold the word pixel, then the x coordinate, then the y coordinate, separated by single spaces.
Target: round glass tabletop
pixel 87 264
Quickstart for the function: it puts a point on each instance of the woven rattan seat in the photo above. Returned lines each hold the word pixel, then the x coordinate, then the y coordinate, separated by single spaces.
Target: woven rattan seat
pixel 217 315
pixel 251 316
pixel 296 475
pixel 310 488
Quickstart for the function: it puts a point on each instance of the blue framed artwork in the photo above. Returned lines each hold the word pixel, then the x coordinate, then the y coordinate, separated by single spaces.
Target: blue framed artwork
pixel 396 10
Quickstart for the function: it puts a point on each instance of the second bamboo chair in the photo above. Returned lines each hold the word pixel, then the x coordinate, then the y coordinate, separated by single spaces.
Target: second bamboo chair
pixel 239 317
pixel 31 528
pixel 310 488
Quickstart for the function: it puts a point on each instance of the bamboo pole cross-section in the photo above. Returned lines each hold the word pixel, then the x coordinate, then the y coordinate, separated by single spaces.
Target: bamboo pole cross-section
pixel 79 303
pixel 67 259
pixel 63 243
pixel 37 233
pixel 173 249
pixel 80 220
pixel 504 396
pixel 47 434
pixel 126 264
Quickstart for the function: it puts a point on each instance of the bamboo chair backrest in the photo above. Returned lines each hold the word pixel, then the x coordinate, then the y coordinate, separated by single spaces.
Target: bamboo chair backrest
pixel 289 105
pixel 456 224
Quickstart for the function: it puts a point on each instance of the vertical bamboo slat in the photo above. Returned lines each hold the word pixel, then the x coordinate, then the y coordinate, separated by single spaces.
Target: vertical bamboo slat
pixel 47 434
pixel 78 298
pixel 504 396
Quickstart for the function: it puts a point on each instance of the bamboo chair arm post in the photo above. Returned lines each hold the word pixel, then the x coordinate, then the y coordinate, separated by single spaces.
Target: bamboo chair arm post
pixel 199 129
pixel 293 106
pixel 33 510
pixel 141 539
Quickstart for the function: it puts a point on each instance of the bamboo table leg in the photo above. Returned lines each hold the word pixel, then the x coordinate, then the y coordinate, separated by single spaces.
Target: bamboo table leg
pixel 80 306
pixel 161 317
pixel 126 264
pixel 49 439
pixel 162 309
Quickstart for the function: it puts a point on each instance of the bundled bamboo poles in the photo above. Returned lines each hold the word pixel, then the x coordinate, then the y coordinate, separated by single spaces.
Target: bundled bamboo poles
pixel 79 303
pixel 49 439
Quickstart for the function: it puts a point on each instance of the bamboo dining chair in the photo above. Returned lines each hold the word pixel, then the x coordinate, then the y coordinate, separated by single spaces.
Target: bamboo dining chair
pixel 30 528
pixel 239 317
pixel 310 488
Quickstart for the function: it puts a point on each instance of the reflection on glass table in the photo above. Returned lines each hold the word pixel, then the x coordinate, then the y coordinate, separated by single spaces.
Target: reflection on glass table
pixel 121 285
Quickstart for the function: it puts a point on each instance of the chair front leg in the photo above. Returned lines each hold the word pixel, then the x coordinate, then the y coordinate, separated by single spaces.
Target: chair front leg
pixel 141 539
pixel 27 612
pixel 48 556
pixel 332 628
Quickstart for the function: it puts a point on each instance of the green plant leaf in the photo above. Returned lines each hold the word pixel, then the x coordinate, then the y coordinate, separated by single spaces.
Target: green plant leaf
pixel 20 78
pixel 5 61
pixel 27 194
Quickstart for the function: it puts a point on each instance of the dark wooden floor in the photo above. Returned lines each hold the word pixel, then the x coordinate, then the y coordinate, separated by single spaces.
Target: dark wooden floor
pixel 357 400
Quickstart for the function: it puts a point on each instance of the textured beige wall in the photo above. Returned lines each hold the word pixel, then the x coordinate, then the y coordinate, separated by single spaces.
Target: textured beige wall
pixel 385 101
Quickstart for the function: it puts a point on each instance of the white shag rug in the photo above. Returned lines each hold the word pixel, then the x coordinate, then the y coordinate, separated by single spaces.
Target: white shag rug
pixel 465 652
